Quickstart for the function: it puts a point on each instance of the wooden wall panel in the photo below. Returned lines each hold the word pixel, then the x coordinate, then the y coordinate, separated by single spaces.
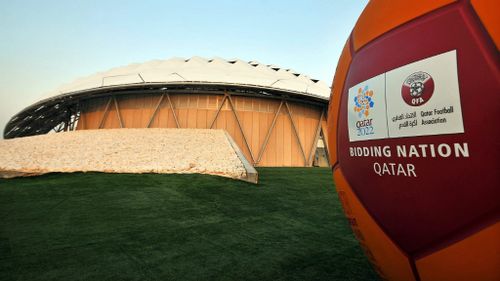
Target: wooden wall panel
pixel 156 123
pixel 192 101
pixel 280 138
pixel 275 145
pixel 295 153
pixel 212 102
pixel 111 120
pixel 94 111
pixel 198 110
pixel 269 154
pixel 247 124
pixel 192 117
pixel 300 116
pixel 308 129
pixel 130 110
pixel 150 102
pixel 264 124
pixel 181 101
pixel 254 136
pixel 162 116
pixel 287 141
pixel 182 115
pixel 153 102
pixel 232 127
pixel 170 120
pixel 203 101
pixel 266 156
pixel 201 118
pixel 220 123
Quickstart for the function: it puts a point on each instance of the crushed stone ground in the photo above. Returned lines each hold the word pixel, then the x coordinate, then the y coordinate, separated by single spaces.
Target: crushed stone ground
pixel 122 151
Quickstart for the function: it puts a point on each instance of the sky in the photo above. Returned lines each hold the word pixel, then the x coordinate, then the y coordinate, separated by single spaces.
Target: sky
pixel 44 44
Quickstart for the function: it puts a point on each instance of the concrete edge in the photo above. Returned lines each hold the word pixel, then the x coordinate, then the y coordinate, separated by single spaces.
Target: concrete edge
pixel 252 175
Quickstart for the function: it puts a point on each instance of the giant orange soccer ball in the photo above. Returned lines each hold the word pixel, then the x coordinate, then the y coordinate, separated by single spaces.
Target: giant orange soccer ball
pixel 413 127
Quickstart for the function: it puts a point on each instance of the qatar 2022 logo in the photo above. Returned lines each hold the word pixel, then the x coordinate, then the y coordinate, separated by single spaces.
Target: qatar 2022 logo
pixel 363 103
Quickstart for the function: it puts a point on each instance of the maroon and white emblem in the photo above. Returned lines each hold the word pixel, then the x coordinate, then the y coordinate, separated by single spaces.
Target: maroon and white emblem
pixel 417 88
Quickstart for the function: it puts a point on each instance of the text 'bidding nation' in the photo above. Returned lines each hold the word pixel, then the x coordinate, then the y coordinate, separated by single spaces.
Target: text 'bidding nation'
pixel 442 150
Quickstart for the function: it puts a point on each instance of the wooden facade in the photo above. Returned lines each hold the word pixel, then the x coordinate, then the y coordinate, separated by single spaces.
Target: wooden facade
pixel 270 132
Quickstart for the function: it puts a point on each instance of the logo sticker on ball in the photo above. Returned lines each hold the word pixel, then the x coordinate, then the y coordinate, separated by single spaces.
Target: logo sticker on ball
pixel 418 99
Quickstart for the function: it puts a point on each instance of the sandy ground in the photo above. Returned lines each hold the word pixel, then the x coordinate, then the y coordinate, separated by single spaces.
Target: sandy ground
pixel 122 151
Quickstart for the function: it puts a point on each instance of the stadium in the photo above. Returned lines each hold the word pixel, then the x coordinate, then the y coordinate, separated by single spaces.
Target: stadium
pixel 276 116
pixel 97 224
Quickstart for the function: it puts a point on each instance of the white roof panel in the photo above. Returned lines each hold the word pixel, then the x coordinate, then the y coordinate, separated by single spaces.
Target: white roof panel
pixel 200 70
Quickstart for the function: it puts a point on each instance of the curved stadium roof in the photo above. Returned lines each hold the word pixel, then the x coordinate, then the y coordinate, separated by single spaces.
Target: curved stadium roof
pixel 193 73
pixel 200 70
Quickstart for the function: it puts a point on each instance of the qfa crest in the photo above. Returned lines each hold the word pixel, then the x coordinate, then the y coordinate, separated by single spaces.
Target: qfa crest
pixel 363 102
pixel 417 88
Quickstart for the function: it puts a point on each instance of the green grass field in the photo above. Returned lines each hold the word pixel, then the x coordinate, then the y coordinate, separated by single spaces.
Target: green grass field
pixel 177 227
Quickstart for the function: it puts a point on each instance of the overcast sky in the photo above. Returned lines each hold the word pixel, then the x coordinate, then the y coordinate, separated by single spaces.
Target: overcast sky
pixel 47 43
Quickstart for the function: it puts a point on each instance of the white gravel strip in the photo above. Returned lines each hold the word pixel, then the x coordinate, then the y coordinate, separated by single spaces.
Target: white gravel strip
pixel 122 151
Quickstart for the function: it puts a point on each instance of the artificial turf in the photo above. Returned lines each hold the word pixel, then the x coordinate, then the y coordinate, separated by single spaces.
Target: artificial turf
pixel 177 227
